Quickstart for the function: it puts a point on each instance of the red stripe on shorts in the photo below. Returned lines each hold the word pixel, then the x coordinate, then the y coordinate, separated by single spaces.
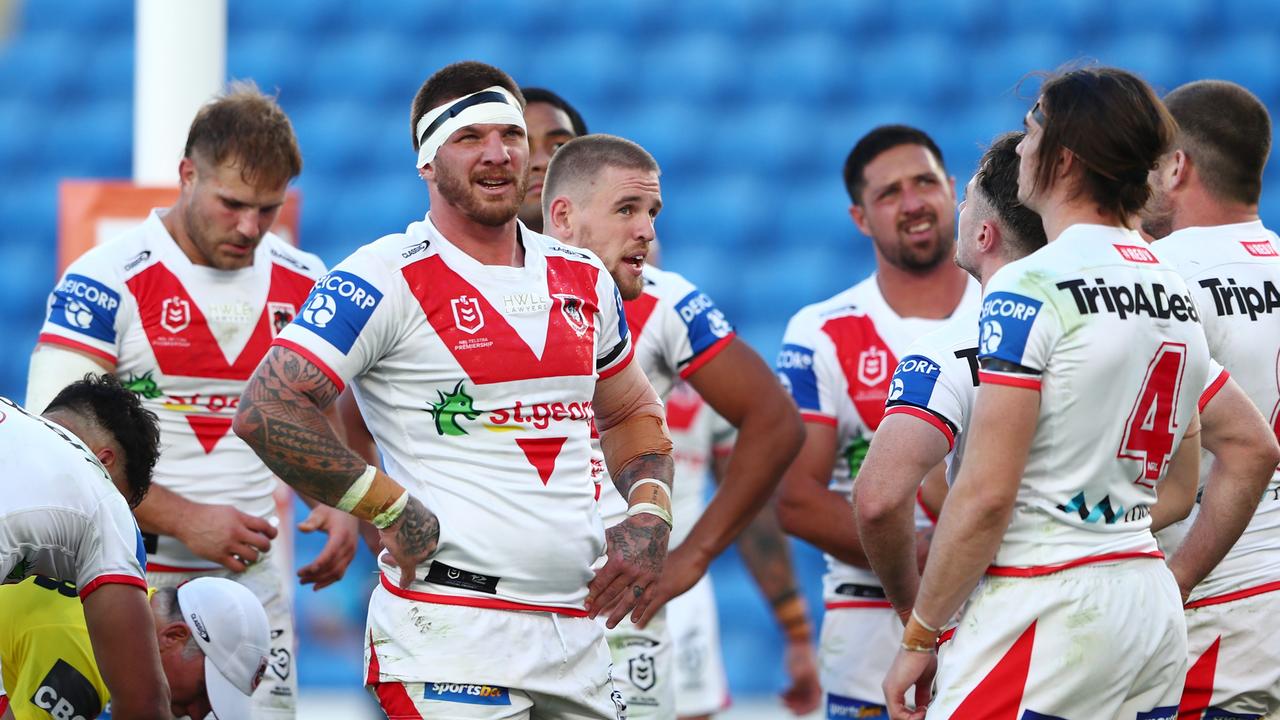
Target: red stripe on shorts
pixel 999 694
pixel 1233 596
pixel 1197 693
pixel 392 696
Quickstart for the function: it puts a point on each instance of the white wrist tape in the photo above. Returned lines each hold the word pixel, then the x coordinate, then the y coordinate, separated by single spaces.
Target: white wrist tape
pixel 391 514
pixel 660 512
pixel 648 481
pixel 357 491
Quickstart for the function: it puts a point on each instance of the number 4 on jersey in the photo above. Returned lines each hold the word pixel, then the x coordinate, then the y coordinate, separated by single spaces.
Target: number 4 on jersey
pixel 1149 431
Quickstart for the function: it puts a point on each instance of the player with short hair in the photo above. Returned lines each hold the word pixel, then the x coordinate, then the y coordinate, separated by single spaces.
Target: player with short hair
pixel 603 193
pixel 1075 617
pixel 182 308
pixel 552 122
pixel 93 448
pixel 482 355
pixel 212 634
pixel 1204 214
pixel 837 359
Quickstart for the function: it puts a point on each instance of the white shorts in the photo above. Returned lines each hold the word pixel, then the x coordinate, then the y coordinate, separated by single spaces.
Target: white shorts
pixel 642 666
pixel 1106 640
pixel 271 583
pixel 1235 660
pixel 432 660
pixel 855 649
pixel 701 687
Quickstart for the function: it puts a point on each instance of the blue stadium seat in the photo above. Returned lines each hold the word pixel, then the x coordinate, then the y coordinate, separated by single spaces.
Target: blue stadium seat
pixel 1251 59
pixel 953 17
pixel 20 143
pixel 273 58
pixel 913 68
pixel 843 19
pixel 800 69
pixel 1158 59
pixel 1081 17
pixel 651 124
pixel 366 66
pixel 696 67
pixel 332 135
pixel 108 74
pixel 1183 20
pixel 1001 69
pixel 40 67
pixel 595 69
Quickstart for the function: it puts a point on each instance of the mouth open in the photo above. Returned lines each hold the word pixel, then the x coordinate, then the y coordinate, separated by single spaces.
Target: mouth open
pixel 635 262
pixel 919 228
pixel 496 185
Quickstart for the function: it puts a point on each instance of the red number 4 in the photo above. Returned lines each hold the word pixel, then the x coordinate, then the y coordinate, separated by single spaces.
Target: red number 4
pixel 1149 431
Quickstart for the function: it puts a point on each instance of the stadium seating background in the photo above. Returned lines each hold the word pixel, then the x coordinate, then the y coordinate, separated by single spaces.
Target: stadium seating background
pixel 750 107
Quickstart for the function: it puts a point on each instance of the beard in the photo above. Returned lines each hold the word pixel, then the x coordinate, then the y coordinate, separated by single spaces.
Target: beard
pixel 492 213
pixel 898 251
pixel 1157 216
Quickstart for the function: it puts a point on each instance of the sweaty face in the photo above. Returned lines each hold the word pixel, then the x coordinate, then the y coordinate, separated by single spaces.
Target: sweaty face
pixel 968 227
pixel 549 128
pixel 615 221
pixel 223 216
pixel 482 170
pixel 908 208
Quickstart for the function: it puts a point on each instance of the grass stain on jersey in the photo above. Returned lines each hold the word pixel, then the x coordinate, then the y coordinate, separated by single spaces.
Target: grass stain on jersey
pixel 446 411
pixel 144 386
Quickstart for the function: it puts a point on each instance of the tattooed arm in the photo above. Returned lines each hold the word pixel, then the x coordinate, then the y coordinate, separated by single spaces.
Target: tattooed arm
pixel 282 417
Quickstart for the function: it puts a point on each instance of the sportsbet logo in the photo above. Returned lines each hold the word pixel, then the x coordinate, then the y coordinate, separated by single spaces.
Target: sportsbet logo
pixel 453 407
pixel 469 694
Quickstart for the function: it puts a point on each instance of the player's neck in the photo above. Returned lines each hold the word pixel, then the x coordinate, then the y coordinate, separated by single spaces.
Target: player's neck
pixel 1197 208
pixel 172 221
pixel 486 244
pixel 932 294
pixel 1058 216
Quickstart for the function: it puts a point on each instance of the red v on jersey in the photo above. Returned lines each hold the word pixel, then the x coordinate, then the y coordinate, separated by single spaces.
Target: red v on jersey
pixel 484 343
pixel 542 454
pixel 638 313
pixel 184 346
pixel 867 363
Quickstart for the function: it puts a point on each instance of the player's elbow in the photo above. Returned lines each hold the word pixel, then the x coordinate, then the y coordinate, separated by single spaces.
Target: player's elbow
pixel 1254 457
pixel 871 507
pixel 245 426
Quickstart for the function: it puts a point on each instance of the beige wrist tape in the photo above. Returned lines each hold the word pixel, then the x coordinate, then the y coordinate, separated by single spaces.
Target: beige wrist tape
pixel 374 497
pixel 636 436
pixel 793 616
pixel 919 637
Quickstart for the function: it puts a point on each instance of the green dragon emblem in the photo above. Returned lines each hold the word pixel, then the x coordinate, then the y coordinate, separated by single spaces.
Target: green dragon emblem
pixel 446 411
pixel 855 454
pixel 20 570
pixel 145 386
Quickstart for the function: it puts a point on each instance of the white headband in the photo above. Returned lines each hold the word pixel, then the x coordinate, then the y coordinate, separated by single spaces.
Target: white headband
pixel 491 106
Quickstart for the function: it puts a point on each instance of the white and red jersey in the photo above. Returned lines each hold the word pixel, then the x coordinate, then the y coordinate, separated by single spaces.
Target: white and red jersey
pixel 185 338
pixel 1111 339
pixel 477 382
pixel 61 516
pixel 1233 272
pixel 698 437
pixel 837 361
pixel 677 329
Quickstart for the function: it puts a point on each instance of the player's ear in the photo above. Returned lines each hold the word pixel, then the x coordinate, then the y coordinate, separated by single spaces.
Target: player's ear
pixel 1179 170
pixel 560 217
pixel 107 456
pixel 187 172
pixel 427 173
pixel 989 238
pixel 859 216
pixel 173 636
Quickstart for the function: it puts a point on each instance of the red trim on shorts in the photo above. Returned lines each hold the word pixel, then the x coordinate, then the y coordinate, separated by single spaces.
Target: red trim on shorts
pixel 392 696
pixel 314 359
pixel 999 694
pixel 990 378
pixel 926 416
pixel 631 352
pixel 925 508
pixel 856 604
pixel 1237 595
pixel 1213 389
pixel 486 603
pixel 707 355
pixel 1038 570
pixel 4 703
pixel 70 344
pixel 946 636
pixel 819 418
pixel 112 580
pixel 1197 692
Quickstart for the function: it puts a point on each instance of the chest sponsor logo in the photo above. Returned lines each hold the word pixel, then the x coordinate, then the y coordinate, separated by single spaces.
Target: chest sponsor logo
pixel 1260 248
pixel 66 694
pixel 467 315
pixel 571 309
pixel 1232 298
pixel 85 305
pixel 467 694
pixel 1127 300
pixel 280 314
pixel 175 314
pixel 525 303
pixel 1133 253
pixel 873 366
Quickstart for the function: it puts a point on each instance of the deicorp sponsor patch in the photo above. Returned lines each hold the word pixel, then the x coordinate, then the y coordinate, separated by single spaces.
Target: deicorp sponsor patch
pixel 338 308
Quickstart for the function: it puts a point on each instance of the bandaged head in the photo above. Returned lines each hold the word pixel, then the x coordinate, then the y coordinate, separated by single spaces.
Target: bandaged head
pixel 494 105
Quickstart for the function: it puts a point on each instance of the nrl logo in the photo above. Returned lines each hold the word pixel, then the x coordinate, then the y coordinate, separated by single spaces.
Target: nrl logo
pixel 175 315
pixel 571 309
pixel 446 411
pixel 466 314
pixel 873 366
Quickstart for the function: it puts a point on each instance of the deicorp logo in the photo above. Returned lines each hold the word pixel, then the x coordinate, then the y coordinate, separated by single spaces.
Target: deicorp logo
pixel 85 305
pixel 338 308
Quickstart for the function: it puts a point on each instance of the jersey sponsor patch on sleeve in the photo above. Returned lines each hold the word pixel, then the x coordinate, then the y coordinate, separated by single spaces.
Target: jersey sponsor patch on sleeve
pixel 86 306
pixel 795 372
pixel 338 308
pixel 704 322
pixel 913 382
pixel 468 694
pixel 622 315
pixel 1005 326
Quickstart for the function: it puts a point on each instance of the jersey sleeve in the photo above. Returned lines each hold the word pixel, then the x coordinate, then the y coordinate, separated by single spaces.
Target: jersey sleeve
pixel 614 344
pixel 697 328
pixel 1217 377
pixel 1018 329
pixel 809 371
pixel 84 311
pixel 350 319
pixel 112 551
pixel 927 389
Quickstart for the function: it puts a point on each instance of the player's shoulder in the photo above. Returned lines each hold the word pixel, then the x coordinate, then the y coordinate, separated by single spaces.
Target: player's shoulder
pixel 291 257
pixel 123 255
pixel 553 248
pixel 1195 250
pixel 851 301
pixel 958 333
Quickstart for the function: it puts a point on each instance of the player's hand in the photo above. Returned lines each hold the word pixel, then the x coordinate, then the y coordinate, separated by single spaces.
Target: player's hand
pixel 331 564
pixel 636 549
pixel 681 571
pixel 411 539
pixel 801 663
pixel 223 534
pixel 909 668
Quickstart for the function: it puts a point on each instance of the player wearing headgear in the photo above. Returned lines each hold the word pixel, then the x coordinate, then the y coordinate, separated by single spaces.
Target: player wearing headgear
pixel 1076 616
pixel 1204 210
pixel 603 194
pixel 73 475
pixel 837 359
pixel 182 308
pixel 551 122
pixel 482 354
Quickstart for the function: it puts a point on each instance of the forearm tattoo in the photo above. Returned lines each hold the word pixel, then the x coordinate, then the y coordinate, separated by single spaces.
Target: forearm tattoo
pixel 764 551
pixel 658 467
pixel 281 417
pixel 419 531
pixel 643 540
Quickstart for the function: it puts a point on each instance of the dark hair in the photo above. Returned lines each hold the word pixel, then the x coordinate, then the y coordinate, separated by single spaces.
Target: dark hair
pixel 249 128
pixel 997 178
pixel 581 159
pixel 453 81
pixel 879 140
pixel 102 399
pixel 542 95
pixel 1226 131
pixel 1114 124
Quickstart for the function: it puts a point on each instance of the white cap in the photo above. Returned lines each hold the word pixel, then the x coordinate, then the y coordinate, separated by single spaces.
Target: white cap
pixel 231 629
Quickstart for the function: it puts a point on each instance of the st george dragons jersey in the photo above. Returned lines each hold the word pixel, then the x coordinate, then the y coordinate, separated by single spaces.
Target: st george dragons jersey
pixel 1111 340
pixel 60 515
pixel 698 437
pixel 1233 272
pixel 185 338
pixel 677 329
pixel 477 382
pixel 837 361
